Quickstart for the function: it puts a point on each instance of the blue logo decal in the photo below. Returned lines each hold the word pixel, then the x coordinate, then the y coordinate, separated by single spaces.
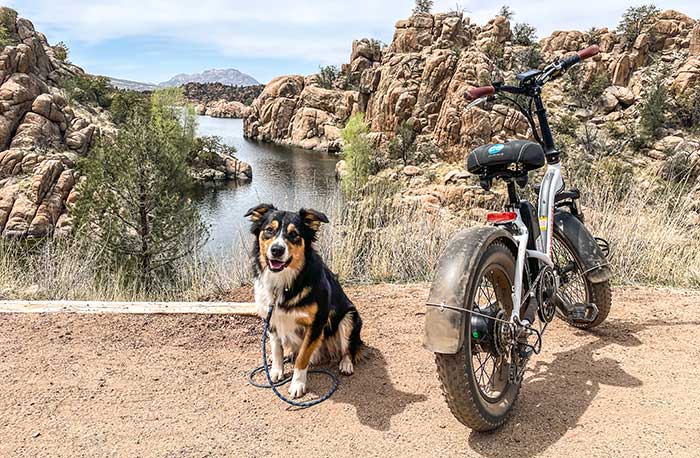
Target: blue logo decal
pixel 497 148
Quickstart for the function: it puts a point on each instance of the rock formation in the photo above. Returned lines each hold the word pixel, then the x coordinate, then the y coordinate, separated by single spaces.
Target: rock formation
pixel 41 133
pixel 420 80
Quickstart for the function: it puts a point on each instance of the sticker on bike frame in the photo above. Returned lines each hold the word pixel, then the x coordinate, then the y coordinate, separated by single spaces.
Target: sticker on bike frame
pixel 543 223
pixel 497 148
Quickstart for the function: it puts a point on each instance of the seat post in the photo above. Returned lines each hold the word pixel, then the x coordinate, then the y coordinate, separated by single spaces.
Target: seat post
pixel 513 194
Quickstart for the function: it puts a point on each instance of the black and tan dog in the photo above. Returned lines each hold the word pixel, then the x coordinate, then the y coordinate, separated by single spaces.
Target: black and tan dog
pixel 313 319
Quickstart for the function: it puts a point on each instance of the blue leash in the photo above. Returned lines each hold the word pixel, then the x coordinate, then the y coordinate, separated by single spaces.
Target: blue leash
pixel 274 386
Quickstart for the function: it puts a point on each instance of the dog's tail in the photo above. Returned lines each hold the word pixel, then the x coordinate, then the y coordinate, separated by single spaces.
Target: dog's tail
pixel 356 345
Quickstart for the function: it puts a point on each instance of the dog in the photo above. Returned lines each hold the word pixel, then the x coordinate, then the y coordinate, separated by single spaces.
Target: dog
pixel 312 318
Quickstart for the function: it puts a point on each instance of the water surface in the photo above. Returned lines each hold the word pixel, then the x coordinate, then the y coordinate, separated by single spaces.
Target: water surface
pixel 288 177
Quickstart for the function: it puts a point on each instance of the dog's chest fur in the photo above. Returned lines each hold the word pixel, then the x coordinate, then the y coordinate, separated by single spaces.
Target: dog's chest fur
pixel 270 290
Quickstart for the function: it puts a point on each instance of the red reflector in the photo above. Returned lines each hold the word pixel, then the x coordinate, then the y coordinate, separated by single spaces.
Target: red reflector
pixel 503 217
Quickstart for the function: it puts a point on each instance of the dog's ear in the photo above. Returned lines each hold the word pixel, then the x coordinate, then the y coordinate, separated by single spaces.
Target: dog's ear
pixel 257 214
pixel 312 219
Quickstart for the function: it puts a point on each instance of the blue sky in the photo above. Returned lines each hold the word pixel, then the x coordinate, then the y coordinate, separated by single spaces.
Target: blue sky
pixel 152 40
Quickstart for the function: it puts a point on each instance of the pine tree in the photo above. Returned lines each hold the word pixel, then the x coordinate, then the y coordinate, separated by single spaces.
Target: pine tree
pixel 134 198
pixel 423 6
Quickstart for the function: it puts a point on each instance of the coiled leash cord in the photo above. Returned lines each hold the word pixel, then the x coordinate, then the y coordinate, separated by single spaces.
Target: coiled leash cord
pixel 274 386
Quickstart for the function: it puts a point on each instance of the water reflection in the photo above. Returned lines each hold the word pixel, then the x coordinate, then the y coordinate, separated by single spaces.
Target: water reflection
pixel 288 177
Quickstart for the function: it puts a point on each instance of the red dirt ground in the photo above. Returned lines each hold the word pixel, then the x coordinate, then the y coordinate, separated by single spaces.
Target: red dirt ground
pixel 175 386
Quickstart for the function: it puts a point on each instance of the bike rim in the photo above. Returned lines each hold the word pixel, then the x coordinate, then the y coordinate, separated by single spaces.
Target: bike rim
pixel 573 288
pixel 490 371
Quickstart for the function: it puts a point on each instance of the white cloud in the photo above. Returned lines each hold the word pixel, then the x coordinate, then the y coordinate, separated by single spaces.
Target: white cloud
pixel 312 29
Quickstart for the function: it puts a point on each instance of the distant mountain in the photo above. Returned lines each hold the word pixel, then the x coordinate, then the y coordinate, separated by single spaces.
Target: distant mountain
pixel 133 85
pixel 231 77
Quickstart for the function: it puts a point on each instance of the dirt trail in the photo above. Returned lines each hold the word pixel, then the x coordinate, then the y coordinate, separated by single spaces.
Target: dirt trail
pixel 175 386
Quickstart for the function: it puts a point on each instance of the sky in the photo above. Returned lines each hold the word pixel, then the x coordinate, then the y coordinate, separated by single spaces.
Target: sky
pixel 153 40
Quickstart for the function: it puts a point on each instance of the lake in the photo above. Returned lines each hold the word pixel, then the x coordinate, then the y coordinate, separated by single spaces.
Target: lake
pixel 288 177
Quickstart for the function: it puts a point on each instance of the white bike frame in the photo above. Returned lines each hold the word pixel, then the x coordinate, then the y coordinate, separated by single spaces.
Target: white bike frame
pixel 551 185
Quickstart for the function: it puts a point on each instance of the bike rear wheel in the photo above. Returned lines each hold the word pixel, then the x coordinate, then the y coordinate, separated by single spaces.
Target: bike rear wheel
pixel 475 381
pixel 575 286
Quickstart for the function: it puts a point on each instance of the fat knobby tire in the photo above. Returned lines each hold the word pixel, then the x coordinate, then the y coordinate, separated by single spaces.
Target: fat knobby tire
pixel 455 372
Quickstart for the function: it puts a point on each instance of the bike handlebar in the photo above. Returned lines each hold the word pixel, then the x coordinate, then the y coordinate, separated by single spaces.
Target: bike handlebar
pixel 555 69
pixel 479 92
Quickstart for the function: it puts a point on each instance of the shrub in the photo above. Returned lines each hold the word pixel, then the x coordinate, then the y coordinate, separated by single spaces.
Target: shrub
pixel 592 36
pixel 423 6
pixel 506 12
pixel 527 58
pixel 208 149
pixel 635 21
pixel 8 18
pixel 126 103
pixel 61 51
pixel 687 109
pixel 584 92
pixel 403 146
pixel 134 199
pixel 524 34
pixel 653 107
pixel 91 90
pixel 358 153
pixel 495 53
pixel 327 76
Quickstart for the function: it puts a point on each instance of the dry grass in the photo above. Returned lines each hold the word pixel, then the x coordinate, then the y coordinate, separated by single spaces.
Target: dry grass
pixel 375 241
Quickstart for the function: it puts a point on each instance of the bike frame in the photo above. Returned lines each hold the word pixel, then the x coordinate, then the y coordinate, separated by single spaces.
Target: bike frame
pixel 551 185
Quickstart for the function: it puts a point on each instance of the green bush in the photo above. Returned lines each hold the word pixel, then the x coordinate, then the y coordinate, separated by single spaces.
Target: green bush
pixel 403 146
pixel 208 149
pixel 8 18
pixel 506 12
pixel 358 153
pixel 61 51
pixel 89 90
pixel 327 76
pixel 635 21
pixel 653 107
pixel 527 58
pixel 134 199
pixel 592 36
pixel 423 6
pixel 584 92
pixel 126 103
pixel 524 34
pixel 687 109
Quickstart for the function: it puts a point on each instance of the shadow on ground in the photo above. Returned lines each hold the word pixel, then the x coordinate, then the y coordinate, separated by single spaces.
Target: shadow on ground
pixel 556 395
pixel 372 393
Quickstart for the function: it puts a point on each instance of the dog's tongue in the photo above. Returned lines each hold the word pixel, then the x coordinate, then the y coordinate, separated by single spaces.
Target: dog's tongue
pixel 276 265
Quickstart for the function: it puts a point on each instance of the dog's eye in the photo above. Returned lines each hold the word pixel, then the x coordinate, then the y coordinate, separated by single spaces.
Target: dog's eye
pixel 269 231
pixel 293 235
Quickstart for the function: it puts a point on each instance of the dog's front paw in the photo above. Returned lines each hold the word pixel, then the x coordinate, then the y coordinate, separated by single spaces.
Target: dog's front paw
pixel 276 374
pixel 346 367
pixel 297 389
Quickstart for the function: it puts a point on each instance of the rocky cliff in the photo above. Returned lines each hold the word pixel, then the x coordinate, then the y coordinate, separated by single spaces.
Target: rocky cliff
pixel 221 100
pixel 421 77
pixel 42 134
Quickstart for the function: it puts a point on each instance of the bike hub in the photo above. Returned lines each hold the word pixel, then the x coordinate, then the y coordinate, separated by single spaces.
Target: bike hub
pixel 491 332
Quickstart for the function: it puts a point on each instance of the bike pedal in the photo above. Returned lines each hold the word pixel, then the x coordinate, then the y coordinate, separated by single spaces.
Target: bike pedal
pixel 584 313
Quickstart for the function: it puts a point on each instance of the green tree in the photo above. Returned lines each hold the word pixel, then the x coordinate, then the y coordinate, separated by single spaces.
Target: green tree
pixel 506 12
pixel 653 107
pixel 403 146
pixel 126 103
pixel 423 6
pixel 524 34
pixel 635 21
pixel 8 17
pixel 86 89
pixel 327 76
pixel 357 153
pixel 61 51
pixel 134 198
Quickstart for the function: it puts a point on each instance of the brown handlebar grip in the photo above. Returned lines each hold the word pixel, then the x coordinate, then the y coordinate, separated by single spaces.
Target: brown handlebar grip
pixel 482 91
pixel 588 52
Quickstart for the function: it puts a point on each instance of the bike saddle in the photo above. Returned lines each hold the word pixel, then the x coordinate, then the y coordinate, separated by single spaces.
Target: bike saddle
pixel 497 157
pixel 571 194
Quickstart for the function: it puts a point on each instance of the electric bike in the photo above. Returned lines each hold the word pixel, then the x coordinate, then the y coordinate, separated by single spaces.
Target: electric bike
pixel 497 287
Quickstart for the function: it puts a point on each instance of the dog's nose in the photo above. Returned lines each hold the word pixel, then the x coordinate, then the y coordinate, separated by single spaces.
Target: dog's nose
pixel 277 250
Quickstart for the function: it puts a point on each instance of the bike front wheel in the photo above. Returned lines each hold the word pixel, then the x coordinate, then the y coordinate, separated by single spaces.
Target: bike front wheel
pixel 475 381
